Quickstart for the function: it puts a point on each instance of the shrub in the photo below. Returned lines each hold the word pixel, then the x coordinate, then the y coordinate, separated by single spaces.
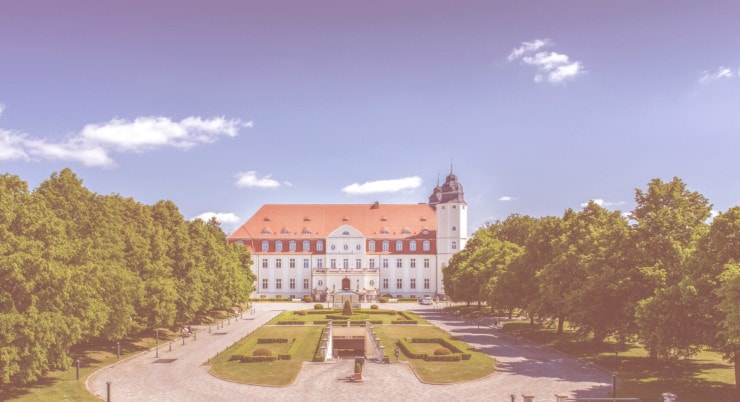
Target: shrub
pixel 318 306
pixel 262 352
pixel 307 299
pixel 347 310
pixel 358 367
pixel 442 352
pixel 383 299
pixel 300 312
pixel 374 307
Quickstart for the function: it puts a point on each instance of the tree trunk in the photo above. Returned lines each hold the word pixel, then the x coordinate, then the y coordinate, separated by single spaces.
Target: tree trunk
pixel 736 359
pixel 653 356
pixel 561 320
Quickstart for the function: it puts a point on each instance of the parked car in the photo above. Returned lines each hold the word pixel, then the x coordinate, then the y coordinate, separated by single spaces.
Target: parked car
pixel 426 301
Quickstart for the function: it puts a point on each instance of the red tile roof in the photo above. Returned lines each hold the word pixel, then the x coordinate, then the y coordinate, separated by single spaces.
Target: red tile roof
pixel 314 221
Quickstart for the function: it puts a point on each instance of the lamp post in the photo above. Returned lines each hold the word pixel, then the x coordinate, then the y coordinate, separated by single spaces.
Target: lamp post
pixel 78 368
pixel 118 350
pixel 157 344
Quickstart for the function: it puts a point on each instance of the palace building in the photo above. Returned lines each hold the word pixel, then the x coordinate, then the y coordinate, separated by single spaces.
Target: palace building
pixel 370 250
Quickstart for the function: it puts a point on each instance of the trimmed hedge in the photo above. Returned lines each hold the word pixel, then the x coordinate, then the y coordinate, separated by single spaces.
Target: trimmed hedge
pixel 290 322
pixel 272 340
pixel 458 355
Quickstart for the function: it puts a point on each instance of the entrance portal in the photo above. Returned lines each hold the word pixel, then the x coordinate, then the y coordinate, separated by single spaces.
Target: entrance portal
pixel 345 284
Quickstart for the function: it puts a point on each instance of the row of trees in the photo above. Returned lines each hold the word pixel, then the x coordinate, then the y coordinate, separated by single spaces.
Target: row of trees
pixel 662 275
pixel 76 267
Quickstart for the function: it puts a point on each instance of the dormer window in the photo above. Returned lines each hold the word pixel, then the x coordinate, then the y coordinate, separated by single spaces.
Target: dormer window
pixel 383 231
pixel 265 232
pixel 425 232
pixel 405 231
pixel 306 232
pixel 285 231
pixel 345 233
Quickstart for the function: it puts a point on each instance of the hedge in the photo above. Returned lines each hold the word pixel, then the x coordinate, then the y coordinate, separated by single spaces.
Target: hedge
pixel 290 322
pixel 458 355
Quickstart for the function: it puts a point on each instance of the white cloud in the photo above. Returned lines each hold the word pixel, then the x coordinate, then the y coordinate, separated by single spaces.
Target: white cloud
pixel 11 146
pixel 94 143
pixel 705 77
pixel 605 204
pixel 553 67
pixel 250 179
pixel 383 186
pixel 223 217
pixel 506 198
pixel 527 47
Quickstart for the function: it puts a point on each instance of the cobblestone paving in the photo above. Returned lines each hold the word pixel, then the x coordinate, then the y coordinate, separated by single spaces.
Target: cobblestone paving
pixel 178 375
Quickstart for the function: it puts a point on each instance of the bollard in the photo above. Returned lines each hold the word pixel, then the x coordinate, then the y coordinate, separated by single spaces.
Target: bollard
pixel 107 391
pixel 195 337
pixel 513 397
pixel 614 385
pixel 118 350
pixel 209 329
pixel 183 339
pixel 170 346
pixel 78 368
pixel 156 352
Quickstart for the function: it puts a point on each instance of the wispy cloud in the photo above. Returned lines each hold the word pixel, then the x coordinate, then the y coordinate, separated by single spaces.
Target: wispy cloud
pixel 552 67
pixel 250 179
pixel 227 218
pixel 93 145
pixel 506 198
pixel 705 77
pixel 383 186
pixel 600 202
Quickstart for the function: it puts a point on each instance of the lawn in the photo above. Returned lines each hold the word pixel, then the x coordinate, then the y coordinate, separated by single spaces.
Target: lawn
pixel 281 372
pixel 704 377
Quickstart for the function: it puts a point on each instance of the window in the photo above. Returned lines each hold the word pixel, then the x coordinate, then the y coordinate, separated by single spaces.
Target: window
pixel 292 283
pixel 346 247
pixel 345 233
pixel 291 262
pixel 306 283
pixel 264 263
pixel 412 245
pixel 264 284
pixel 426 283
pixel 413 263
pixel 320 245
pixel 399 245
pixel 399 263
pixel 278 283
pixel 385 263
pixel 345 263
pixel 385 283
pixel 399 283
pixel 425 232
pixel 454 245
pixel 358 263
pixel 265 245
pixel 279 263
pixel 425 245
pixel 333 247
pixel 265 231
pixel 306 245
pixel 321 283
pixel 333 263
pixel 371 262
pixel 279 245
pixel 305 263
pixel 454 228
pixel 426 263
pixel 319 263
pixel 383 231
pixel 306 231
pixel 405 231
pixel 371 245
pixel 413 283
pixel 285 231
pixel 291 245
pixel 386 245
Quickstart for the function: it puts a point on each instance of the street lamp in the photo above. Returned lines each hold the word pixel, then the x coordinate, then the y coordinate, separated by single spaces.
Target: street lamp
pixel 118 350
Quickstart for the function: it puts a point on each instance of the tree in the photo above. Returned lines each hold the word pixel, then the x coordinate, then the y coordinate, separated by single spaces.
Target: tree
pixel 669 221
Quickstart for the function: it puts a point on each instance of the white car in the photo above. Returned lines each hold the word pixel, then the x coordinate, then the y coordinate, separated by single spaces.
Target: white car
pixel 426 301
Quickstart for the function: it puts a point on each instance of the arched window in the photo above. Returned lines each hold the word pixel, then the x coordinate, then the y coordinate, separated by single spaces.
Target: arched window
pixel 412 245
pixel 399 245
pixel 291 245
pixel 265 245
pixel 306 245
pixel 425 245
pixel 386 245
pixel 454 245
pixel 278 245
pixel 371 245
pixel 320 245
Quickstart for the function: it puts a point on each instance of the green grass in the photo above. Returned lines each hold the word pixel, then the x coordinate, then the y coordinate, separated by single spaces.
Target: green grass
pixel 62 385
pixel 704 377
pixel 479 365
pixel 281 372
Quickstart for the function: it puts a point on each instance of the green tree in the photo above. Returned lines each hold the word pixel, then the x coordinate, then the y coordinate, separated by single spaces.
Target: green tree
pixel 669 221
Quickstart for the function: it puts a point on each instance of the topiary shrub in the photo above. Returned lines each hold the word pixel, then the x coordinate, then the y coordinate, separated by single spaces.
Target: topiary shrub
pixel 442 352
pixel 262 352
pixel 318 306
pixel 374 307
pixel 383 299
pixel 307 299
pixel 347 310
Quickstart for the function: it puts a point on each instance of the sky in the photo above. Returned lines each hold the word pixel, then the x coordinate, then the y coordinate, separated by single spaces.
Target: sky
pixel 223 106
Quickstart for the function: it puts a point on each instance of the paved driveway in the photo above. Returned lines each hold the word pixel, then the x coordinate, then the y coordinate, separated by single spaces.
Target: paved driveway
pixel 178 375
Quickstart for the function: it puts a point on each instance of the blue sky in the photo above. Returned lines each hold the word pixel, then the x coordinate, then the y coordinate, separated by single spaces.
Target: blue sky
pixel 223 106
